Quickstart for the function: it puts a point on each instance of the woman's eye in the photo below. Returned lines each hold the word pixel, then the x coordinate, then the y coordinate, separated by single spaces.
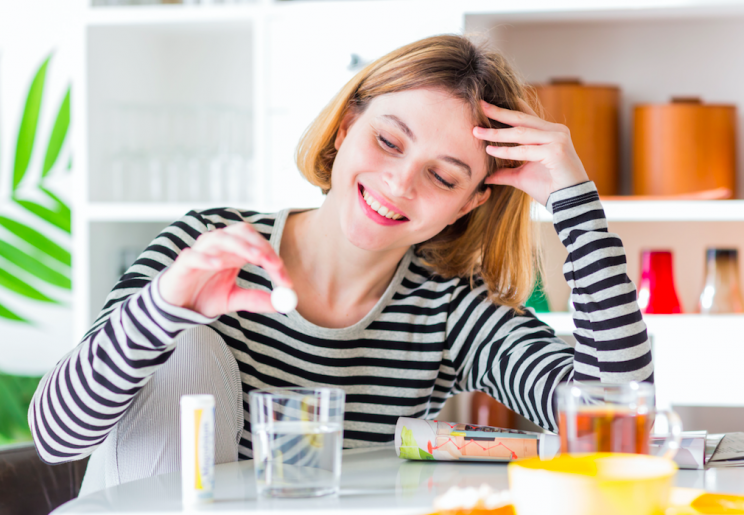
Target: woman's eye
pixel 444 183
pixel 437 177
pixel 386 142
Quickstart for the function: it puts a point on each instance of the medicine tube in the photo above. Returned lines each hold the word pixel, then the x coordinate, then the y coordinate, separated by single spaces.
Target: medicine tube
pixel 197 449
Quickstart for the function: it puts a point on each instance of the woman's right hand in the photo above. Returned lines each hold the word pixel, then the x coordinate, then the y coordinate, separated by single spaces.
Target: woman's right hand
pixel 203 277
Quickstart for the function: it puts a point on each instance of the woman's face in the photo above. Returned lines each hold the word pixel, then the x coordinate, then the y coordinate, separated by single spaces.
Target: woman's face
pixel 410 154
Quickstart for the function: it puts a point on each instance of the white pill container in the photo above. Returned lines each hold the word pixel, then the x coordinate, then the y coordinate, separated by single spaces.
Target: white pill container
pixel 197 449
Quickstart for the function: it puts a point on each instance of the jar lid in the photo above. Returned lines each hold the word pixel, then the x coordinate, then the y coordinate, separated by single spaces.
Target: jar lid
pixel 712 253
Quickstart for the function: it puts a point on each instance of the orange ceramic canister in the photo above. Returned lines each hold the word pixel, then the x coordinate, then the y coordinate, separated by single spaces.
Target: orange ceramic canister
pixel 591 114
pixel 684 146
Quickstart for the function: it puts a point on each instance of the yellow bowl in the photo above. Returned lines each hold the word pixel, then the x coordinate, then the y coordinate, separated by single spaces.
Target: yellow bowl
pixel 592 484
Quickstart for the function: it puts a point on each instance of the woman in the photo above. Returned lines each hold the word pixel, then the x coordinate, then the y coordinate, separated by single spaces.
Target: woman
pixel 410 279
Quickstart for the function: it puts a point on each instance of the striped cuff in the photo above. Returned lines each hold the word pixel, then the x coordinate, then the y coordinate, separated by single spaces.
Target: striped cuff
pixel 173 319
pixel 573 196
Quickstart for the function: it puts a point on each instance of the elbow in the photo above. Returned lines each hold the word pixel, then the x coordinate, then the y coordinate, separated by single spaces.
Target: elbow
pixel 50 448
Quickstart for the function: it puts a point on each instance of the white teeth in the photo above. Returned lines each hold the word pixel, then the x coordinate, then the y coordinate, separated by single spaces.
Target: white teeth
pixel 382 210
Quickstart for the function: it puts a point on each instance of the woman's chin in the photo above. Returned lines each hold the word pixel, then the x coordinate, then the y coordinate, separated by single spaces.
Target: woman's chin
pixel 370 240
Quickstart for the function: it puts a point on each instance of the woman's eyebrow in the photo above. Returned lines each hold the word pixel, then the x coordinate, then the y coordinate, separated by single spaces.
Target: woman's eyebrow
pixel 401 125
pixel 408 132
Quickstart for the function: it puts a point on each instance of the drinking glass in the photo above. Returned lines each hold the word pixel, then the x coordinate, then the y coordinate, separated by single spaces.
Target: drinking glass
pixel 601 417
pixel 297 435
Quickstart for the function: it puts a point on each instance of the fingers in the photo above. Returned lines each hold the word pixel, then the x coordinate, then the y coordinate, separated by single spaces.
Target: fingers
pixel 505 176
pixel 236 245
pixel 515 118
pixel 240 299
pixel 521 135
pixel 192 259
pixel 521 153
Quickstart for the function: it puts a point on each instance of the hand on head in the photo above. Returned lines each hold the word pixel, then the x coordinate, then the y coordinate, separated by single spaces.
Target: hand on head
pixel 550 162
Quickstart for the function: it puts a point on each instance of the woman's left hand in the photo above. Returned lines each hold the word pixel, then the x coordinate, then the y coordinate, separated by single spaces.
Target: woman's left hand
pixel 550 160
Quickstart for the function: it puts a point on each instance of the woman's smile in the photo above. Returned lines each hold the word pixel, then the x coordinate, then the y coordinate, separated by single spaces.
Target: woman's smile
pixel 378 209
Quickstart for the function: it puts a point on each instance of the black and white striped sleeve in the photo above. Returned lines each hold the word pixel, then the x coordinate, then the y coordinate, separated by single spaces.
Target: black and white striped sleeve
pixel 518 359
pixel 612 341
pixel 79 402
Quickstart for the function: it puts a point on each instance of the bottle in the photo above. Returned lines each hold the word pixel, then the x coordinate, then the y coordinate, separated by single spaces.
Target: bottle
pixel 197 449
pixel 538 299
pixel 722 292
pixel 656 291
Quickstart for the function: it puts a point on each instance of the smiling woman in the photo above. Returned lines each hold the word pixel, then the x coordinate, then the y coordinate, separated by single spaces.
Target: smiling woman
pixel 410 279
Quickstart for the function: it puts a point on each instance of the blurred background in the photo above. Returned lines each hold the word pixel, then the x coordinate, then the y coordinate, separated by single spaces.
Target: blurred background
pixel 117 117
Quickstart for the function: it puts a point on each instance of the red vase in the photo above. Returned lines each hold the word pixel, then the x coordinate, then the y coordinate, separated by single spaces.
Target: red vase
pixel 656 292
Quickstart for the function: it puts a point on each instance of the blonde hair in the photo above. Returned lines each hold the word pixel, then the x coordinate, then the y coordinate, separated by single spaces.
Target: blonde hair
pixel 497 240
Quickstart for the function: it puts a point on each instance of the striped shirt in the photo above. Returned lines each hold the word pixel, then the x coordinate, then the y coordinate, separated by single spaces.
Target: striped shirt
pixel 427 338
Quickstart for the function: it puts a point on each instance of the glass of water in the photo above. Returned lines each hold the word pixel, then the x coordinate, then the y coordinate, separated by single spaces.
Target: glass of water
pixel 297 435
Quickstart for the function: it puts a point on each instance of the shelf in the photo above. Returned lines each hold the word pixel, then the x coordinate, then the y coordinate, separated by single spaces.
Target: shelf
pixel 606 10
pixel 526 11
pixel 161 212
pixel 697 358
pixel 665 211
pixel 171 14
pixel 562 322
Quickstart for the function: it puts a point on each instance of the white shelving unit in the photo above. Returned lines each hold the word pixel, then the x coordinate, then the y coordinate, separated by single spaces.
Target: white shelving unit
pixel 696 357
pixel 665 211
pixel 282 61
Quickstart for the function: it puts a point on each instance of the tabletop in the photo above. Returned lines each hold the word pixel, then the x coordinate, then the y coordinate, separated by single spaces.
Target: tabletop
pixel 372 481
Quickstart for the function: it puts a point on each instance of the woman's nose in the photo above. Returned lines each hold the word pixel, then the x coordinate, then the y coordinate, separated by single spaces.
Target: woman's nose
pixel 401 180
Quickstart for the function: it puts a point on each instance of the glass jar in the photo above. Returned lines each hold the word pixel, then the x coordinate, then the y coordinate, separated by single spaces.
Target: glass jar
pixel 721 293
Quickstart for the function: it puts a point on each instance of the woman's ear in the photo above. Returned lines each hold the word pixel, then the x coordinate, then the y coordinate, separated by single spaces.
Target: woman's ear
pixel 343 129
pixel 478 199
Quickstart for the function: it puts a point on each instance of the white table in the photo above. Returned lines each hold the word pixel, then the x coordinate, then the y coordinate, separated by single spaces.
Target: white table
pixel 372 481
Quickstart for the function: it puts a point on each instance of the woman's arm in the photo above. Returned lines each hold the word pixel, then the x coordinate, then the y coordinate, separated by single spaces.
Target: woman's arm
pixel 612 342
pixel 518 360
pixel 186 277
pixel 527 361
pixel 79 402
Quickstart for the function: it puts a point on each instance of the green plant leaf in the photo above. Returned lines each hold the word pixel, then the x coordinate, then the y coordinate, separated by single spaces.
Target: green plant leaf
pixel 59 132
pixel 61 206
pixel 14 284
pixel 33 266
pixel 16 393
pixel 29 121
pixel 8 314
pixel 37 240
pixel 58 219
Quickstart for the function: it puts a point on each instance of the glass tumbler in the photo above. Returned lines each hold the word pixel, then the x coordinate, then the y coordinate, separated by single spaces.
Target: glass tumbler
pixel 297 436
pixel 602 417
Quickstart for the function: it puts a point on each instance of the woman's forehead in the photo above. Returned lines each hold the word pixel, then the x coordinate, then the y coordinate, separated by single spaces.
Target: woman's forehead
pixel 440 102
pixel 425 113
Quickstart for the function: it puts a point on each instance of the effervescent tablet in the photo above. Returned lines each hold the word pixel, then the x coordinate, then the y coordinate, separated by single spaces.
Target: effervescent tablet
pixel 283 299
